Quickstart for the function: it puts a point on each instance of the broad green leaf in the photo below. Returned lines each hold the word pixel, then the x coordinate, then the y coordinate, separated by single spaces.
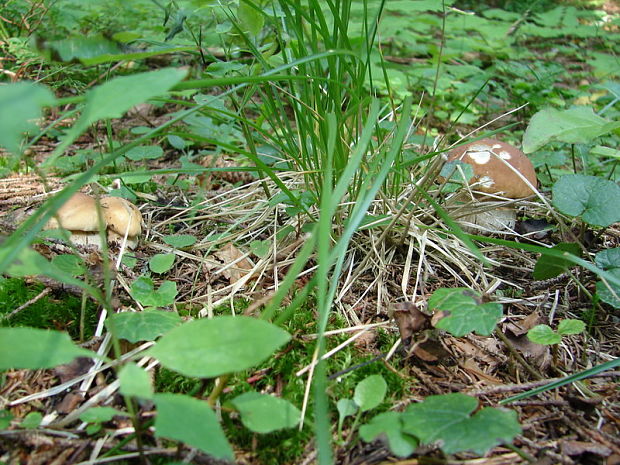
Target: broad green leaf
pixel 571 326
pixel 161 262
pixel 594 199
pixel 5 419
pixel 250 19
pixel 135 382
pixel 549 267
pixel 212 347
pixel 70 264
pixel 370 392
pixel 32 348
pixel 577 125
pixel 260 248
pixel 183 418
pixel 143 290
pixel 142 326
pixel 389 425
pixel 446 419
pixel 101 414
pixel 180 241
pixel 543 334
pixel 346 408
pixel 607 295
pixel 465 311
pixel 32 420
pixel 20 106
pixel 77 48
pixel 263 413
pixel 113 98
pixel 144 152
pixel 609 260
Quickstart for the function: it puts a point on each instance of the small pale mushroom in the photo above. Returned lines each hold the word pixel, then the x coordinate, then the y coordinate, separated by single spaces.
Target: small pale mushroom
pixel 78 215
pixel 123 219
pixel 501 171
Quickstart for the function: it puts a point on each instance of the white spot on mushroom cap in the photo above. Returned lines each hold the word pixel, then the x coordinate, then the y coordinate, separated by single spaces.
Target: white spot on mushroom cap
pixel 481 157
pixel 486 181
pixel 505 155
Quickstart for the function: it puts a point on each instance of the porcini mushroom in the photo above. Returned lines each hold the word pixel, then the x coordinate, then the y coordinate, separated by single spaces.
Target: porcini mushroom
pixel 78 215
pixel 500 171
pixel 123 219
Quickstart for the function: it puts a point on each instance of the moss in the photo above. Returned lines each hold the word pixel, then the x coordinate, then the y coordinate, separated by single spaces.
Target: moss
pixel 60 311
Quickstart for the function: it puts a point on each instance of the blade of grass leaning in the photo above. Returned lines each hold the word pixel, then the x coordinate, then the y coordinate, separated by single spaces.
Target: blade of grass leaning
pixel 569 379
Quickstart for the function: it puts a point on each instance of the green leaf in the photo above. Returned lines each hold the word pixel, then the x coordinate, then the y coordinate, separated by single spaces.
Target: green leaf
pixel 135 382
pixel 142 326
pixel 346 408
pixel 549 267
pixel 260 248
pixel 101 414
pixel 389 425
pixel 20 106
pixel 32 420
pixel 250 19
pixel 543 334
pixel 594 199
pixel 183 418
pixel 465 311
pixel 32 348
pixel 70 264
pixel 446 419
pixel 213 347
pixel 5 419
pixel 609 260
pixel 144 152
pixel 143 290
pixel 370 392
pixel 571 326
pixel 578 125
pixel 113 98
pixel 161 262
pixel 457 173
pixel 263 413
pixel 180 241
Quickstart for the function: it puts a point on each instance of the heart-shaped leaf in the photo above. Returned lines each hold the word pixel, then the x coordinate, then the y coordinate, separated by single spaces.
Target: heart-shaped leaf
pixel 263 413
pixel 142 326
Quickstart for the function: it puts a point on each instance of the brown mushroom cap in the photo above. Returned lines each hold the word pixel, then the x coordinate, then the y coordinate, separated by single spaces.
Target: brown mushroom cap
pixel 489 159
pixel 121 216
pixel 79 213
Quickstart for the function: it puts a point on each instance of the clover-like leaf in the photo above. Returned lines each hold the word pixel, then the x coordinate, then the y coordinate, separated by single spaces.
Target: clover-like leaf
pixel 212 347
pixel 609 260
pixel 594 199
pixel 191 421
pixel 32 348
pixel 571 326
pixel 370 392
pixel 544 335
pixel 464 311
pixel 263 413
pixel 143 290
pixel 447 419
pixel 142 326
pixel 161 262
pixel 389 425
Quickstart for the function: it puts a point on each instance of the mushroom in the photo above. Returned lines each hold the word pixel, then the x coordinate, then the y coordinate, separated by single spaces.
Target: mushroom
pixel 79 216
pixel 123 219
pixel 500 171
